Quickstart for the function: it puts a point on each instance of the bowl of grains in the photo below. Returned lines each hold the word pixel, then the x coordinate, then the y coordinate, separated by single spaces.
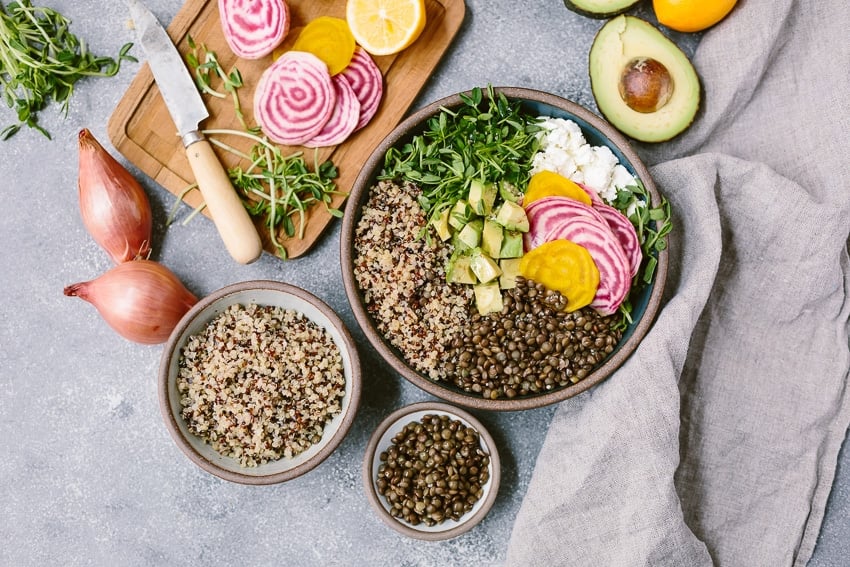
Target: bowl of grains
pixel 259 382
pixel 431 471
pixel 505 249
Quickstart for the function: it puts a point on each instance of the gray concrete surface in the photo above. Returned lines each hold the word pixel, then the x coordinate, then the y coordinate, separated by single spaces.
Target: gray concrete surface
pixel 89 475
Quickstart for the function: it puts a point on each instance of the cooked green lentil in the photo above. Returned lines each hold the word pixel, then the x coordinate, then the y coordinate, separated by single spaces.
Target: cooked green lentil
pixel 434 470
pixel 260 383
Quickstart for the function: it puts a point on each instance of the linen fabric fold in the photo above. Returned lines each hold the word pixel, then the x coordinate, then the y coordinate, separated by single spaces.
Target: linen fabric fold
pixel 716 442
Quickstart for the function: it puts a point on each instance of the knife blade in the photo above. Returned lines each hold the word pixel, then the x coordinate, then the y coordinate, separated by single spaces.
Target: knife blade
pixel 187 110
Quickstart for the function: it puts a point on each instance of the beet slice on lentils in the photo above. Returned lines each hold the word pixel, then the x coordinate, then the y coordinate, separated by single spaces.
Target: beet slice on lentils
pixel 343 119
pixel 253 28
pixel 607 254
pixel 295 98
pixel 365 78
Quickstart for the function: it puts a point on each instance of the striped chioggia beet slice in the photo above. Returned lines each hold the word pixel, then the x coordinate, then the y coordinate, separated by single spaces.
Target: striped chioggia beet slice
pixel 548 213
pixel 611 261
pixel 365 78
pixel 625 232
pixel 343 118
pixel 295 98
pixel 253 28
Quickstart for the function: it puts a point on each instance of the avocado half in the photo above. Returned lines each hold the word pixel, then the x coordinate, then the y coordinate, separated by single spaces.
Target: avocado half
pixel 600 9
pixel 631 51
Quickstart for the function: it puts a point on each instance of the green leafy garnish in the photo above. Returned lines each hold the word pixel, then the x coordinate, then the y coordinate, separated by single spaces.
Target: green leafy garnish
pixel 492 141
pixel 211 67
pixel 652 225
pixel 41 61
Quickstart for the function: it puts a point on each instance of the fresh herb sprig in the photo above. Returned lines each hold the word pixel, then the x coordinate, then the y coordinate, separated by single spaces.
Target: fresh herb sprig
pixel 281 188
pixel 652 225
pixel 211 67
pixel 492 141
pixel 41 61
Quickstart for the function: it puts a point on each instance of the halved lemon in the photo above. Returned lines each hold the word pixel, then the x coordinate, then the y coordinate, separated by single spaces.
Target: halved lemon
pixel 384 27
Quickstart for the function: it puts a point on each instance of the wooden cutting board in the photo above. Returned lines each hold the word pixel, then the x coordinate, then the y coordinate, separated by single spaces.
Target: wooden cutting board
pixel 142 130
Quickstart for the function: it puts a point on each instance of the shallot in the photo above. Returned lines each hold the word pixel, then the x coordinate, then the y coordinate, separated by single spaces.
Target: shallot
pixel 114 207
pixel 253 28
pixel 294 98
pixel 141 300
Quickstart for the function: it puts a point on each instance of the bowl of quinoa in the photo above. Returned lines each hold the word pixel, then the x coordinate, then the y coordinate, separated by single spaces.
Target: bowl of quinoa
pixel 528 348
pixel 259 382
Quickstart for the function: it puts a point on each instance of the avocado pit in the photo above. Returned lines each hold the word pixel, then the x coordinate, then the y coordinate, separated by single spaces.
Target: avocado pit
pixel 645 84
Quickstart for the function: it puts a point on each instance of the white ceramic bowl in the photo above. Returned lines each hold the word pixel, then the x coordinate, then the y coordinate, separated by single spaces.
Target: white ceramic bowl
pixel 381 440
pixel 262 293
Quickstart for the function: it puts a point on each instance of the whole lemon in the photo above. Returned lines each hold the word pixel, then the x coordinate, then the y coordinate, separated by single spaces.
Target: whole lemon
pixel 691 15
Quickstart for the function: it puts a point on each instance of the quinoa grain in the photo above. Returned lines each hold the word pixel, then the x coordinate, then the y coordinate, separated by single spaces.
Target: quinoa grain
pixel 259 383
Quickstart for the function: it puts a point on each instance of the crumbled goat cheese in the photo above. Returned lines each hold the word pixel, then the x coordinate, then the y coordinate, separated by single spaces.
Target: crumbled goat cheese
pixel 564 150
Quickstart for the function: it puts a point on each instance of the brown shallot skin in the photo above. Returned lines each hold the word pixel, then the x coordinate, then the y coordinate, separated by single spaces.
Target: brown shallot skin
pixel 115 208
pixel 141 300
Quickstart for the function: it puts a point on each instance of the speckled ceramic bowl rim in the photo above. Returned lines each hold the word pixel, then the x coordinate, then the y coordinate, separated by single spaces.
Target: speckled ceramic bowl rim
pixel 468 521
pixel 362 185
pixel 353 375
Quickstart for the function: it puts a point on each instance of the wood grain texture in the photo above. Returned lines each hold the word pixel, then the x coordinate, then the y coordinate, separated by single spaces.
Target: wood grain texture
pixel 142 130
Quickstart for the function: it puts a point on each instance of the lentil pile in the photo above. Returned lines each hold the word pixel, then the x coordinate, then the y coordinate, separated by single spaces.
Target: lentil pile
pixel 531 346
pixel 403 279
pixel 434 470
pixel 260 382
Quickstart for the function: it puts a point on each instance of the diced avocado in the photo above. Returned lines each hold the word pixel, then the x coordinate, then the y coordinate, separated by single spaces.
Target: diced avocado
pixel 509 192
pixel 482 195
pixel 512 217
pixel 511 244
pixel 460 215
pixel 488 298
pixel 459 269
pixel 441 225
pixel 484 267
pixel 510 270
pixel 491 238
pixel 470 234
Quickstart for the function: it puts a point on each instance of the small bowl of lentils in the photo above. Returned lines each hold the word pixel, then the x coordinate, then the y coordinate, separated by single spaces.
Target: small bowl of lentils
pixel 259 382
pixel 431 471
pixel 442 249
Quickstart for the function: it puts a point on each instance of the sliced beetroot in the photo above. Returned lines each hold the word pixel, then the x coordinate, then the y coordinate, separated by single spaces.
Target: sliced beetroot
pixel 365 78
pixel 594 196
pixel 625 232
pixel 611 261
pixel 295 98
pixel 344 118
pixel 253 28
pixel 548 213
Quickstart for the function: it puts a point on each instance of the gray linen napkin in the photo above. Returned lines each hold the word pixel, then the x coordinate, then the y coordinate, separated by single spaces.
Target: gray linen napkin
pixel 716 443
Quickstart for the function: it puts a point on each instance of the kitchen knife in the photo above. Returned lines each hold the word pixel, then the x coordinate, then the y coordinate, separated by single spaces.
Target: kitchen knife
pixel 187 109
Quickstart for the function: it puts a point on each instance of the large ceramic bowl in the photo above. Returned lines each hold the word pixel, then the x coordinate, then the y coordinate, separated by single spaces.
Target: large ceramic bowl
pixel 645 301
pixel 275 295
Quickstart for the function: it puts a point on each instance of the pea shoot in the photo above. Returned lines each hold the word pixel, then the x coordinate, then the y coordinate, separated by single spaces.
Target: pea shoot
pixel 493 142
pixel 41 61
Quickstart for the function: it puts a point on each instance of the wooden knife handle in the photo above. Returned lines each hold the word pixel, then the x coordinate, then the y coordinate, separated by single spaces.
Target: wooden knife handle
pixel 226 209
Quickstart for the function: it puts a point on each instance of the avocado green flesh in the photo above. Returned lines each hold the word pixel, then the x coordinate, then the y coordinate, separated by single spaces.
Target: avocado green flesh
pixel 619 41
pixel 599 8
